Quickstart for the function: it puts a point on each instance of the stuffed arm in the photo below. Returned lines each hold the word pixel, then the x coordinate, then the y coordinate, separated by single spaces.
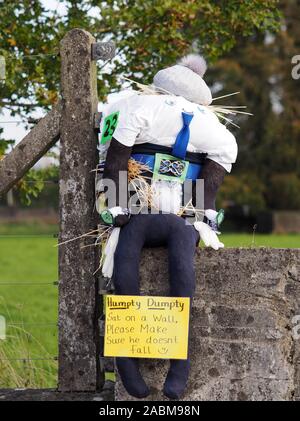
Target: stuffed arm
pixel 213 176
pixel 116 161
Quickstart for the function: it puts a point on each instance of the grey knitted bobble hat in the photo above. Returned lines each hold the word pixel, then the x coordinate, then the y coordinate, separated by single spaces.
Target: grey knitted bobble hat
pixel 186 79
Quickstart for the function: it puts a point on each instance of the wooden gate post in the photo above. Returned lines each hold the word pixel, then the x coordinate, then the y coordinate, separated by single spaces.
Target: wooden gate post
pixel 78 351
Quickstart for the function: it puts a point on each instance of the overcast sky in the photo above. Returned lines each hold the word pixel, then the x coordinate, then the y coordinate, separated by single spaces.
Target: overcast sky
pixel 13 129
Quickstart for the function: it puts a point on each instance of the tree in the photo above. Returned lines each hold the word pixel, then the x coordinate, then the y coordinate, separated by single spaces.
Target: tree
pixel 260 68
pixel 149 35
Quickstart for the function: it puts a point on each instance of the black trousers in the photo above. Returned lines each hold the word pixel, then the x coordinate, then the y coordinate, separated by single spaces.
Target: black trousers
pixel 157 230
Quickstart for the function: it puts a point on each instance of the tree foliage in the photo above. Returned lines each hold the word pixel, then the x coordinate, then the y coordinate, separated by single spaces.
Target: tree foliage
pixel 149 34
pixel 260 68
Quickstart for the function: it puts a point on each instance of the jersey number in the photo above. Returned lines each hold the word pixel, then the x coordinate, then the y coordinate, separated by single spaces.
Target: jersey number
pixel 109 126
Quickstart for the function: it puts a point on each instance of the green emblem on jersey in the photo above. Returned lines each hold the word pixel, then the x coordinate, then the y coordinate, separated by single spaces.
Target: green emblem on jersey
pixel 170 168
pixel 109 126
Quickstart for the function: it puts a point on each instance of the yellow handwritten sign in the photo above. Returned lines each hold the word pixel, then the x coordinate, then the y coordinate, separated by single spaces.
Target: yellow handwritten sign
pixel 146 327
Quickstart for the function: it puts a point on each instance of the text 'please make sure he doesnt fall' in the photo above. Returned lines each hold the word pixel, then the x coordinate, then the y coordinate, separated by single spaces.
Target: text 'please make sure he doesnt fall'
pixel 146 327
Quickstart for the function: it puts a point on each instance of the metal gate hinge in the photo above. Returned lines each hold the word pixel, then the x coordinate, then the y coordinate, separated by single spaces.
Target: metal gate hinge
pixel 103 50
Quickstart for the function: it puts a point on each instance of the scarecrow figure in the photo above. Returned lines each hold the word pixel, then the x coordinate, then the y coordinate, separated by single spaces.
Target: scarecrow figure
pixel 171 135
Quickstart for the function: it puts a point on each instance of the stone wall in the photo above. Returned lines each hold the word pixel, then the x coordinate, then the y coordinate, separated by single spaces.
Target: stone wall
pixel 242 344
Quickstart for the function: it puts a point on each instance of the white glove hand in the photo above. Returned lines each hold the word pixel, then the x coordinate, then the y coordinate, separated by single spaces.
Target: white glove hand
pixel 117 210
pixel 109 252
pixel 208 236
pixel 115 216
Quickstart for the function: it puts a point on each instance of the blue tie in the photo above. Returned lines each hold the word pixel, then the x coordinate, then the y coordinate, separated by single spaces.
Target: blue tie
pixel 183 137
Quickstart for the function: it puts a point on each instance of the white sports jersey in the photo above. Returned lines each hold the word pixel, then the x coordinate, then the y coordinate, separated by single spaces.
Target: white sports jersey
pixel 158 119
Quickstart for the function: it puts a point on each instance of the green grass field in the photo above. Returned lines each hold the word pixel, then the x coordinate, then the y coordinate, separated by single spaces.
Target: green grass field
pixel 261 240
pixel 30 310
pixel 28 256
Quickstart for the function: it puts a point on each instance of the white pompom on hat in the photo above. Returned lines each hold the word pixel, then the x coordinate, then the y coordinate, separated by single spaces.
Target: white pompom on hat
pixel 194 62
pixel 186 79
